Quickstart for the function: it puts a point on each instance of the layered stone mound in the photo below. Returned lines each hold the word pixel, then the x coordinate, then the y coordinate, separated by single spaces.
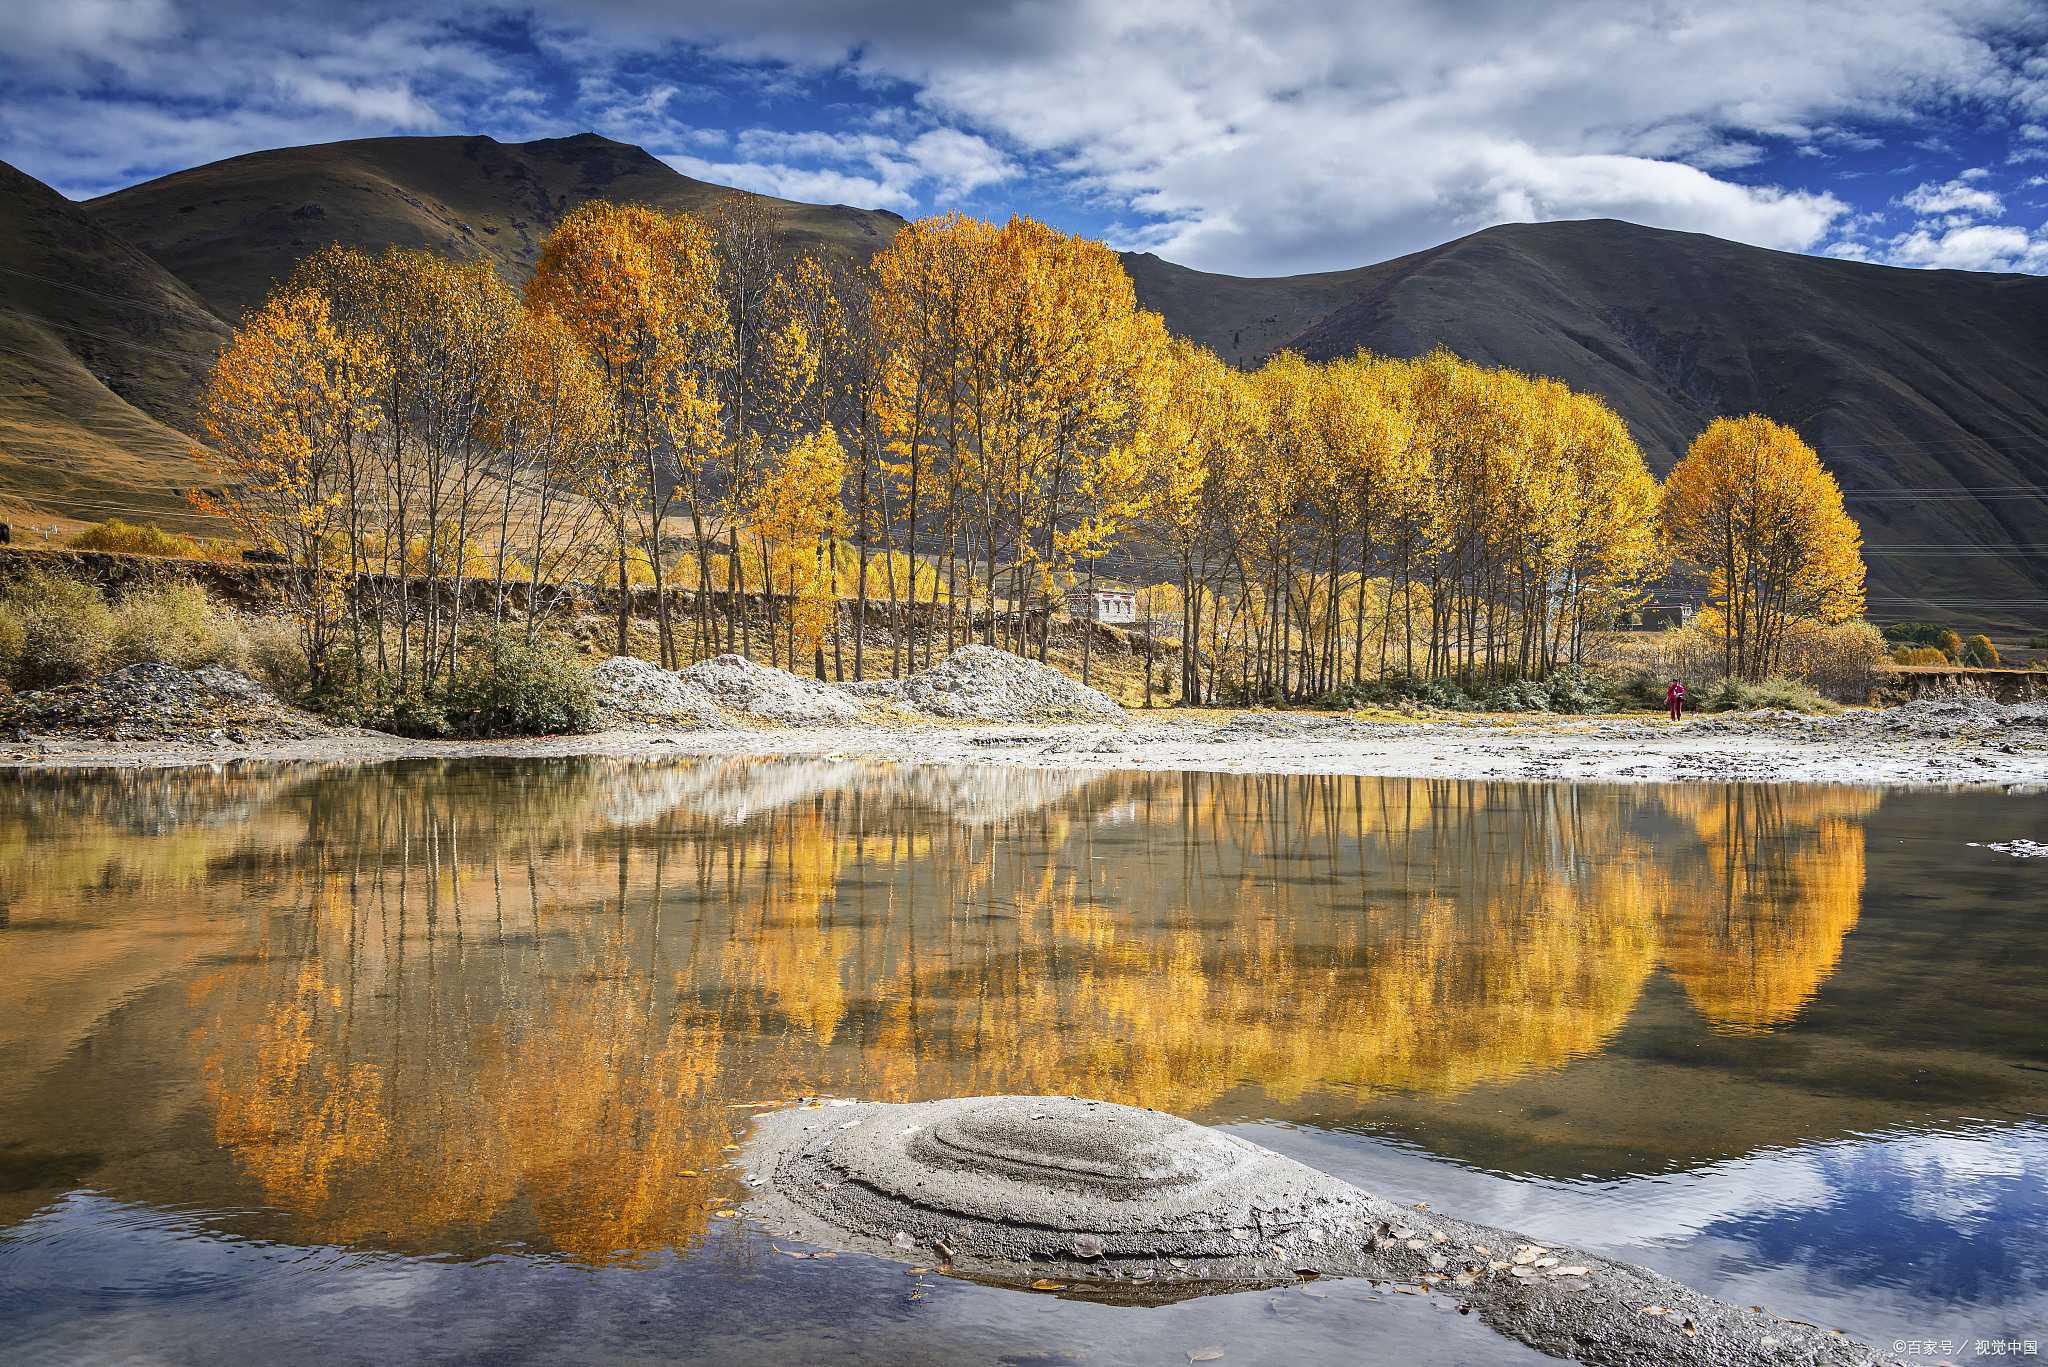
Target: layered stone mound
pixel 1089 1198
pixel 159 702
pixel 981 683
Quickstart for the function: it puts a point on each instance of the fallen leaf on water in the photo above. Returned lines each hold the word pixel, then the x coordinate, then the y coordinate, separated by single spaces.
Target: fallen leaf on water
pixel 731 1148
pixel 915 1271
pixel 726 1214
pixel 1409 1290
pixel 824 1255
pixel 788 1253
pixel 1209 1354
pixel 689 1172
pixel 1044 1284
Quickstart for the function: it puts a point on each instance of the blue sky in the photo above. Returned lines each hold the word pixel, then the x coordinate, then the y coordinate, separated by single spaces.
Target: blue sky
pixel 1258 137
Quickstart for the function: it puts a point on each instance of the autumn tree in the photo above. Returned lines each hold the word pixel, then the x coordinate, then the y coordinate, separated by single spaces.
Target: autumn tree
pixel 640 288
pixel 289 410
pixel 797 517
pixel 1751 508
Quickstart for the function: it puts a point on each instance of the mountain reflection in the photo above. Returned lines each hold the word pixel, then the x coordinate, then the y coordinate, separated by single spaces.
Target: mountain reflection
pixel 523 1002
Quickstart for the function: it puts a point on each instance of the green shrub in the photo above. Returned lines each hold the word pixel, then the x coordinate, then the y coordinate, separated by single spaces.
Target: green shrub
pixel 1777 693
pixel 1915 633
pixel 500 686
pixel 66 629
pixel 506 686
pixel 175 622
pixel 2037 643
pixel 1980 653
pixel 1641 692
pixel 1571 688
pixel 355 694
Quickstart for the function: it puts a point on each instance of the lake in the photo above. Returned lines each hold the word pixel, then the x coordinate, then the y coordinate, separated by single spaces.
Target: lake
pixel 445 1061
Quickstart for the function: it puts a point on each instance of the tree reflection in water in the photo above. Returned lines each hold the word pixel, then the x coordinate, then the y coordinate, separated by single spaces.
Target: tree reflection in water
pixel 489 1002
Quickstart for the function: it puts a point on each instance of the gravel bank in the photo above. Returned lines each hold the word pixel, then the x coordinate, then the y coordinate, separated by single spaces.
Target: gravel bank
pixel 1929 743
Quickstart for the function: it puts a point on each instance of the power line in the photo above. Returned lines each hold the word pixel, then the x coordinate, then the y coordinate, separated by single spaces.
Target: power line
pixel 152 307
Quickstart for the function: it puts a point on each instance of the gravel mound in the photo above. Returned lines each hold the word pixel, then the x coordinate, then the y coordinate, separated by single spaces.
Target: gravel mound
pixel 774 694
pixel 640 693
pixel 155 701
pixel 981 683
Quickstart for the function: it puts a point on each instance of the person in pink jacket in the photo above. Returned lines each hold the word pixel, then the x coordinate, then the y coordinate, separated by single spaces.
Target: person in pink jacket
pixel 1674 698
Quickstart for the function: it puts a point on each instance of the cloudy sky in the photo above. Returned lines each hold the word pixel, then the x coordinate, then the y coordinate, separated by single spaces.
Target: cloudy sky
pixel 1259 137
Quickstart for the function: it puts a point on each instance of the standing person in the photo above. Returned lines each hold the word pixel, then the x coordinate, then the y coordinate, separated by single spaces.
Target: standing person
pixel 1674 698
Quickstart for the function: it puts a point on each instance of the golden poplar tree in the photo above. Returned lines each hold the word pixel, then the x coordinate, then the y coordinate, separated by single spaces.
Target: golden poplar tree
pixel 1751 508
pixel 640 288
pixel 289 409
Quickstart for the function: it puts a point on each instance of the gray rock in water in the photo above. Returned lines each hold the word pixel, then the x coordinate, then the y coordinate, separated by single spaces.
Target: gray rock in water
pixel 1130 1205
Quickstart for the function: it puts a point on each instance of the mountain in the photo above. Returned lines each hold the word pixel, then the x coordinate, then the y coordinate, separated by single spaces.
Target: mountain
pixel 101 353
pixel 234 229
pixel 1925 392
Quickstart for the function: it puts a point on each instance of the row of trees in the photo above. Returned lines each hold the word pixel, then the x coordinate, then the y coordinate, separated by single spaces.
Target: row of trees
pixel 960 428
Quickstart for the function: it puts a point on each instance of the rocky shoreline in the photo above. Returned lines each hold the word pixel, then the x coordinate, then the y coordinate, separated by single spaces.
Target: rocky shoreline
pixel 987 707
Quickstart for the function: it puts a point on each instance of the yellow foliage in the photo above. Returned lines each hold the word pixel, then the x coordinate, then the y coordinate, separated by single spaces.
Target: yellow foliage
pixel 1751 507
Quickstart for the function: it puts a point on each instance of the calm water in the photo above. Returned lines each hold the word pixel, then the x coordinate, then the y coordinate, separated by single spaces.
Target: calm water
pixel 440 1062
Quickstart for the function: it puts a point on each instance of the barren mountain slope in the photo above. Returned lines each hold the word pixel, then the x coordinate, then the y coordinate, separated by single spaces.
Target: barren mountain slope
pixel 101 352
pixel 234 229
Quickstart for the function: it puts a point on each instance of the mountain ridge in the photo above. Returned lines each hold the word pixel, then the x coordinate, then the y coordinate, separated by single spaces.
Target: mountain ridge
pixel 234 229
pixel 1926 393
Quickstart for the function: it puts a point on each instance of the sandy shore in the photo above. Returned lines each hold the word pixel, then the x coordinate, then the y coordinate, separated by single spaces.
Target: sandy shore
pixel 1903 747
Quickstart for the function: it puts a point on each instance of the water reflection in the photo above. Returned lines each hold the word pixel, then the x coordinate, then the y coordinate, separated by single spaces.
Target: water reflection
pixel 442 1006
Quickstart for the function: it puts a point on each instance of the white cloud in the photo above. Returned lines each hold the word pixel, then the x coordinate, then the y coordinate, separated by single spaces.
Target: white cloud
pixel 1259 136
pixel 1981 248
pixel 783 164
pixel 1957 198
pixel 1271 135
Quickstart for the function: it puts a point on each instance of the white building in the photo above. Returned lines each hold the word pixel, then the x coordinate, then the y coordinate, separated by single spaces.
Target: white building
pixel 1103 605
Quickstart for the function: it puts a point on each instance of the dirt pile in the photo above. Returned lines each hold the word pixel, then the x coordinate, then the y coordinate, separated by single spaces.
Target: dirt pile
pixel 634 692
pixel 981 683
pixel 154 701
pixel 777 695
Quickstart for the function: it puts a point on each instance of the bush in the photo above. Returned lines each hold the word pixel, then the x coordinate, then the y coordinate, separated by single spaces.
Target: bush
pixel 118 536
pixel 1777 693
pixel 60 627
pixel 1980 653
pixel 506 686
pixel 2037 643
pixel 175 622
pixel 500 686
pixel 1915 633
pixel 1918 655
pixel 273 650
